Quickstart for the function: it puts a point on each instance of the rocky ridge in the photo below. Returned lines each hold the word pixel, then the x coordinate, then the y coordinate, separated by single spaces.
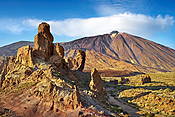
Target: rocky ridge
pixel 38 82
pixel 114 51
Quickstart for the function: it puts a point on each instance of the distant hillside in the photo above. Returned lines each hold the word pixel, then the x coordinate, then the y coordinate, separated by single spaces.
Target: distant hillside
pixel 129 48
pixel 11 49
pixel 112 48
pixel 105 63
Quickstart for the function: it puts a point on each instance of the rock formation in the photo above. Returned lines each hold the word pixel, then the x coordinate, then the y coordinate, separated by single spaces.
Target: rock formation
pixel 113 34
pixel 59 50
pixel 114 82
pixel 96 83
pixel 79 61
pixel 124 80
pixel 146 79
pixel 25 56
pixel 43 42
pixel 39 83
pixel 71 62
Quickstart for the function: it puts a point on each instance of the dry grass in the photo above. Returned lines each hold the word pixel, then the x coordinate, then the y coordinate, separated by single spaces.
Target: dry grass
pixel 157 97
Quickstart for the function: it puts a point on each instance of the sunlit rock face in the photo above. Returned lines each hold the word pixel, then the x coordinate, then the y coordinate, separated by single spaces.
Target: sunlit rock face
pixel 43 42
pixel 38 82
pixel 96 83
pixel 113 34
pixel 78 62
pixel 25 56
pixel 59 50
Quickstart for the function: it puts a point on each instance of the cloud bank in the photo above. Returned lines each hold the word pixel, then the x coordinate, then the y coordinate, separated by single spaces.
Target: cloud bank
pixel 138 24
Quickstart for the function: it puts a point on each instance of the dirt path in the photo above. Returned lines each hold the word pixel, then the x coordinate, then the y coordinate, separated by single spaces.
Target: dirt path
pixel 130 110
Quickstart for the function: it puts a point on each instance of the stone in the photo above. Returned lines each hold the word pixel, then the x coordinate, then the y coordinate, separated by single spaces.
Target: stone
pixel 40 79
pixel 146 79
pixel 124 80
pixel 113 34
pixel 114 82
pixel 59 62
pixel 96 84
pixel 59 50
pixel 7 66
pixel 75 99
pixel 25 56
pixel 80 60
pixel 71 62
pixel 43 42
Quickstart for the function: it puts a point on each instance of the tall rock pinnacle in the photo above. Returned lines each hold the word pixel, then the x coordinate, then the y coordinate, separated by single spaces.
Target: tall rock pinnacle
pixel 43 41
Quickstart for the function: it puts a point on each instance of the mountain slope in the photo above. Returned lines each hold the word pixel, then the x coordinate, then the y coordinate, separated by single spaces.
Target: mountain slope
pixel 11 49
pixel 129 48
pixel 119 46
pixel 106 64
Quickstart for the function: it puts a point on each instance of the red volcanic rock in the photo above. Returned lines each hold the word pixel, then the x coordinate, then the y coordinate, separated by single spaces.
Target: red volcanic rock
pixel 43 42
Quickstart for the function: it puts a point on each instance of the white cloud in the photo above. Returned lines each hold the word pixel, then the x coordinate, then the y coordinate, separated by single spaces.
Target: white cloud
pixel 138 24
pixel 111 7
pixel 15 26
pixel 10 25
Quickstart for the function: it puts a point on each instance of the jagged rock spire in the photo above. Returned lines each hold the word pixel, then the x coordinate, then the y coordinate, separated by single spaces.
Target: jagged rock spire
pixel 43 42
pixel 96 83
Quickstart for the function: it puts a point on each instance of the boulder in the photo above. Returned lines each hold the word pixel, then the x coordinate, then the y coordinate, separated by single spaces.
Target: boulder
pixel 124 80
pixel 25 56
pixel 43 42
pixel 96 84
pixel 59 50
pixel 146 79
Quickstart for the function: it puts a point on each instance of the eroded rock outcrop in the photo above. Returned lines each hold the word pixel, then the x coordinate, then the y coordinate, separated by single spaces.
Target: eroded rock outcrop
pixel 59 50
pixel 43 42
pixel 96 83
pixel 124 80
pixel 39 83
pixel 71 62
pixel 80 60
pixel 77 62
pixel 25 56
pixel 8 65
pixel 146 79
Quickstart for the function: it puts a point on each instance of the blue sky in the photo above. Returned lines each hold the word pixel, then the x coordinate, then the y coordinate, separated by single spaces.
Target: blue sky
pixel 72 19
